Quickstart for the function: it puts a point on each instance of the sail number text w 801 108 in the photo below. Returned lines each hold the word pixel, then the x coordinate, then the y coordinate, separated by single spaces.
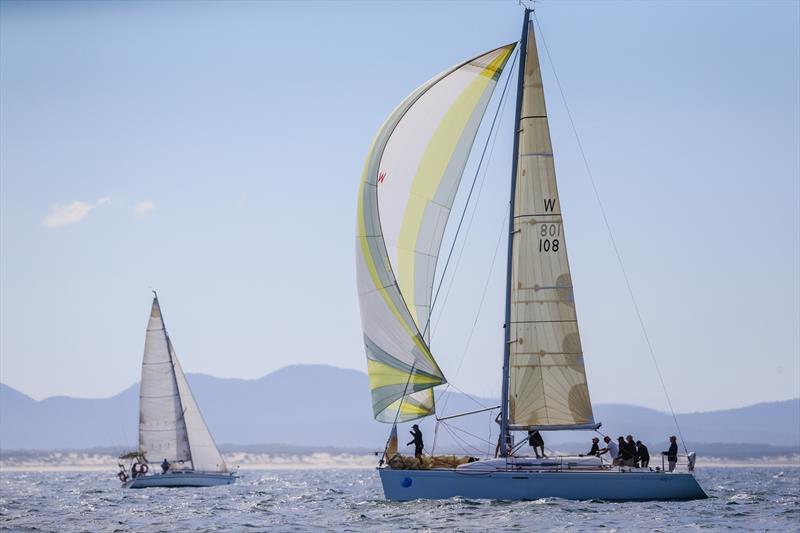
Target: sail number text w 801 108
pixel 547 242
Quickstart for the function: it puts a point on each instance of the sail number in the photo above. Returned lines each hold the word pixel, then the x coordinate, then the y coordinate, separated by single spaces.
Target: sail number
pixel 549 234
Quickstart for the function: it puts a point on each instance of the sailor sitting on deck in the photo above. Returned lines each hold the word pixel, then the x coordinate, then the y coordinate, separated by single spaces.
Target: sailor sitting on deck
pixel 164 466
pixel 417 442
pixel 595 448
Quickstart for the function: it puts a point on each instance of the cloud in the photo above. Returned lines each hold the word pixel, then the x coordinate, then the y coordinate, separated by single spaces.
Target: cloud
pixel 143 207
pixel 62 215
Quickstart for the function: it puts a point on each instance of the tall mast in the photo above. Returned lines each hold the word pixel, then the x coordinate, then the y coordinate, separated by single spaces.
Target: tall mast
pixel 507 326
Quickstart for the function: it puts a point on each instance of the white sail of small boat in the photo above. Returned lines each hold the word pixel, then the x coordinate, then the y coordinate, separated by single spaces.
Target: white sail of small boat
pixel 171 428
pixel 407 190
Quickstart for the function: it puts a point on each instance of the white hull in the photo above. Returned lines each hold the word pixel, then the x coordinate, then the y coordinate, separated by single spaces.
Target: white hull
pixel 611 485
pixel 180 479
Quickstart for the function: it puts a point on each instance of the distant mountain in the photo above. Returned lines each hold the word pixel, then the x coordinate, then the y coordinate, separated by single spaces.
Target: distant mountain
pixel 316 407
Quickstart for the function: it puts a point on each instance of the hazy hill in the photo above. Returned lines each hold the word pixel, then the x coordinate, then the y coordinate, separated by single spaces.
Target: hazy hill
pixel 319 406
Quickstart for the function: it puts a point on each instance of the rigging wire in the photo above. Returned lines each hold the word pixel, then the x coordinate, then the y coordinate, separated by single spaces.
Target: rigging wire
pixel 504 101
pixel 611 234
pixel 477 314
pixel 478 402
pixel 456 428
pixel 469 195
pixel 460 440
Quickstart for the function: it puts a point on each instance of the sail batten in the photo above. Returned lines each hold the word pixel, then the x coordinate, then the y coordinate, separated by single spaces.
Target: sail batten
pixel 408 186
pixel 547 386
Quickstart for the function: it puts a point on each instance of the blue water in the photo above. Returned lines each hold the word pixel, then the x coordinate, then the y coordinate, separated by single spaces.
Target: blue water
pixel 352 500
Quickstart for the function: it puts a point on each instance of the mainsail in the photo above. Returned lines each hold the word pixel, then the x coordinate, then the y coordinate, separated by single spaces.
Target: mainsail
pixel 407 189
pixel 547 381
pixel 170 424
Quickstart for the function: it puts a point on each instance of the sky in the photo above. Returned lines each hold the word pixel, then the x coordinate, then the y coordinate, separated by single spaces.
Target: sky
pixel 213 151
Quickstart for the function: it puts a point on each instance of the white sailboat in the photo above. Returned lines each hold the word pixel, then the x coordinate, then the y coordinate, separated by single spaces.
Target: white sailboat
pixel 407 190
pixel 171 428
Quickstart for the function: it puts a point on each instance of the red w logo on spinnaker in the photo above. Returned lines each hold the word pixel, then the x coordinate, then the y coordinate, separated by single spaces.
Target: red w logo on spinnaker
pixel 381 176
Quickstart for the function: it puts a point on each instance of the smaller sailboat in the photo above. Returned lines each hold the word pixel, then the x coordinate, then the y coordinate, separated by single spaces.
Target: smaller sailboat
pixel 175 447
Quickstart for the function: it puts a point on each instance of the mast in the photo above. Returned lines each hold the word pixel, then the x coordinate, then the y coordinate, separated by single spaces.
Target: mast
pixel 514 162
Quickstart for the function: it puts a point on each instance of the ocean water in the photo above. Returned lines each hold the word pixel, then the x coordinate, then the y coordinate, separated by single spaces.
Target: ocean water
pixel 351 500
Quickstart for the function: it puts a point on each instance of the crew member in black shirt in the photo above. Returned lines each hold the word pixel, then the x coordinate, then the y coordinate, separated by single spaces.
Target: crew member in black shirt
pixel 672 453
pixel 536 441
pixel 417 441
pixel 643 453
pixel 595 448
pixel 625 452
pixel 632 447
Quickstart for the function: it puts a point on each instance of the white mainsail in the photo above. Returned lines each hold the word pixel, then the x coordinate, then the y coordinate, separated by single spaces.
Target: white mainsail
pixel 170 424
pixel 162 428
pixel 407 189
pixel 547 380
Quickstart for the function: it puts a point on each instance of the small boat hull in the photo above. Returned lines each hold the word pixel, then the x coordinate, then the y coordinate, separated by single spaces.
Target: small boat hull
pixel 180 479
pixel 610 485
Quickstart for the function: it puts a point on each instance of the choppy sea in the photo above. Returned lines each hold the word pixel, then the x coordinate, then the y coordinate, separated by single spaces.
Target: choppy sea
pixel 352 500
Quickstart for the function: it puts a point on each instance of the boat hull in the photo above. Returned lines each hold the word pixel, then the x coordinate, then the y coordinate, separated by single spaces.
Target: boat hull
pixel 610 485
pixel 180 479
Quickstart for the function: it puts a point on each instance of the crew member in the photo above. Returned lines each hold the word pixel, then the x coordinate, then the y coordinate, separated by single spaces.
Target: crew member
pixel 672 453
pixel 595 448
pixel 536 441
pixel 634 460
pixel 643 453
pixel 417 441
pixel 611 449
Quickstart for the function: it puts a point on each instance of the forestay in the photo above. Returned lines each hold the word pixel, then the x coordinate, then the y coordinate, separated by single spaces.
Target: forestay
pixel 547 379
pixel 407 190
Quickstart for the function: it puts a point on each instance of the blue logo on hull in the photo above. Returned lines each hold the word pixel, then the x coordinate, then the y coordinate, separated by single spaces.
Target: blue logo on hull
pixel 406 482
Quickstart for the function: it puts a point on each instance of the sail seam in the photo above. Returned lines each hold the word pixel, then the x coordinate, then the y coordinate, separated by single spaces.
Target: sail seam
pixel 540 321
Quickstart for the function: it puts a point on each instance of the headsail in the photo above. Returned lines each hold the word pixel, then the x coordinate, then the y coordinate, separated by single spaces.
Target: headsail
pixel 204 452
pixel 547 380
pixel 162 428
pixel 407 189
